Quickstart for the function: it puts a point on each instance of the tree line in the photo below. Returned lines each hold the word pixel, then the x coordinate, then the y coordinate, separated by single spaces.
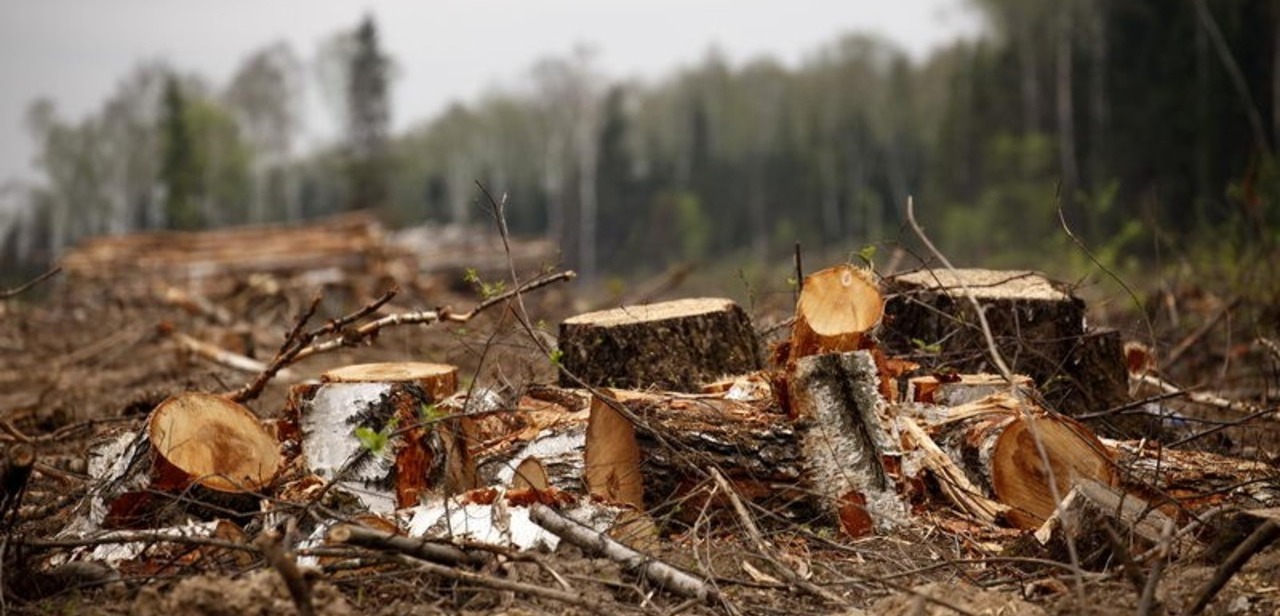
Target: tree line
pixel 1150 124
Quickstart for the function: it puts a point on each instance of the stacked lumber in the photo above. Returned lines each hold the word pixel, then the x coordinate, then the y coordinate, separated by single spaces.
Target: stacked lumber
pixel 348 243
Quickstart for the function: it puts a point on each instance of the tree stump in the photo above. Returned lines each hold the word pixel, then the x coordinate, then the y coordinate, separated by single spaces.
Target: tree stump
pixel 204 447
pixel 1038 326
pixel 845 439
pixel 677 345
pixel 377 430
pixel 1003 443
pixel 836 309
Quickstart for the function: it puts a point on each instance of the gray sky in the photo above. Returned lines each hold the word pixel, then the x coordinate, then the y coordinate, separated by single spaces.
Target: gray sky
pixel 74 51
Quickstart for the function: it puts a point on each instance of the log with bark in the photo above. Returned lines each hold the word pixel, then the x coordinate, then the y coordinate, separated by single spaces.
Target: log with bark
pixel 1080 517
pixel 378 431
pixel 678 345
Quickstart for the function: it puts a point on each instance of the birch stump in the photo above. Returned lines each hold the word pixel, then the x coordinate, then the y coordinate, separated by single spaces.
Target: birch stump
pixel 846 441
pixel 377 430
pixel 677 345
pixel 837 308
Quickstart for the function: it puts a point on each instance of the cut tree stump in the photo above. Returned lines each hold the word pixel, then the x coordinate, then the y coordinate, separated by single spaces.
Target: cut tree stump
pixel 678 345
pixel 1003 444
pixel 377 430
pixel 1038 326
pixel 204 447
pixel 846 441
pixel 836 309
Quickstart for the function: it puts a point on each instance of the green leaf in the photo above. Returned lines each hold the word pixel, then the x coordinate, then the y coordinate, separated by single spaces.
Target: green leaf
pixel 374 442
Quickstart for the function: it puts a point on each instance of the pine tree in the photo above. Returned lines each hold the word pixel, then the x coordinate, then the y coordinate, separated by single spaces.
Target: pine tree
pixel 368 117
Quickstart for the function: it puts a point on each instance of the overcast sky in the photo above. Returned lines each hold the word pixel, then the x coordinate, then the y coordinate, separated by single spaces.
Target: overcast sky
pixel 74 51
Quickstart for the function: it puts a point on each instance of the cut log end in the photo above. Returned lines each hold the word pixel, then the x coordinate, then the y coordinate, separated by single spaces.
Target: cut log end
pixel 440 380
pixel 1022 479
pixel 837 307
pixel 213 442
pixel 612 456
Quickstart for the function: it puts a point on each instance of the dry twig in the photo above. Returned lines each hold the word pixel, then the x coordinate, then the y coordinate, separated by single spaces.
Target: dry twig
pixel 1265 535
pixel 22 288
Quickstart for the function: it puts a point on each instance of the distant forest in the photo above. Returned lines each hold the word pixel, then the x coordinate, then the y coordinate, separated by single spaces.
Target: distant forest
pixel 1153 124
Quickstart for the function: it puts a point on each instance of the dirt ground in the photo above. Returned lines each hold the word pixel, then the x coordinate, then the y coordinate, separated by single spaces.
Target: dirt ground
pixel 80 361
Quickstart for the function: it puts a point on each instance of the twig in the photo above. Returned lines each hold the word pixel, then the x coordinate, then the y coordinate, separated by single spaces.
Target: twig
pixel 420 549
pixel 288 349
pixel 753 533
pixel 22 288
pixel 1147 602
pixel 1178 351
pixel 428 317
pixel 649 568
pixel 1264 535
pixel 271 545
pixel 459 575
pixel 799 276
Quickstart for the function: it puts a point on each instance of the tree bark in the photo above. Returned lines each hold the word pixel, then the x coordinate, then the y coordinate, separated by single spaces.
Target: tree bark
pixel 676 345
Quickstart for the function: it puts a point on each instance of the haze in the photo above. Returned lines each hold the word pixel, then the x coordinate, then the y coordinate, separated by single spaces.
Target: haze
pixel 73 52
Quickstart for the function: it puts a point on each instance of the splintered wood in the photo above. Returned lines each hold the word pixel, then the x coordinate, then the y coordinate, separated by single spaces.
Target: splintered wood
pixel 678 345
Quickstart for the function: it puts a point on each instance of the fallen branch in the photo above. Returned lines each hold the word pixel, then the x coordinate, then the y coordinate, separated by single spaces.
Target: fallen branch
pixel 22 288
pixel 287 566
pixel 1265 535
pixel 426 317
pixel 753 533
pixel 1199 397
pixel 223 357
pixel 1190 341
pixel 420 549
pixel 653 570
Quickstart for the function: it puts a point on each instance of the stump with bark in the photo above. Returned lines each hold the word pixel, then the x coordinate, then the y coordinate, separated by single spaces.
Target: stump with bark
pixel 1037 324
pixel 838 306
pixel 846 440
pixel 678 345
pixel 204 448
pixel 377 430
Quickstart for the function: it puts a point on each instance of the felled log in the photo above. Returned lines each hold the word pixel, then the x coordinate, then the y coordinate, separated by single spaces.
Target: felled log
pixel 677 345
pixel 846 439
pixel 1037 324
pixel 611 455
pixel 1024 456
pixel 1186 482
pixel 204 447
pixel 376 430
pixel 836 309
pixel 756 446
pixel 538 444
pixel 958 389
pixel 1080 517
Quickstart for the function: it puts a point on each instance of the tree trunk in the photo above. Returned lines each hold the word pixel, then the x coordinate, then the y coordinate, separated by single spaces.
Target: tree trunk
pixel 845 440
pixel 676 345
pixel 1066 109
